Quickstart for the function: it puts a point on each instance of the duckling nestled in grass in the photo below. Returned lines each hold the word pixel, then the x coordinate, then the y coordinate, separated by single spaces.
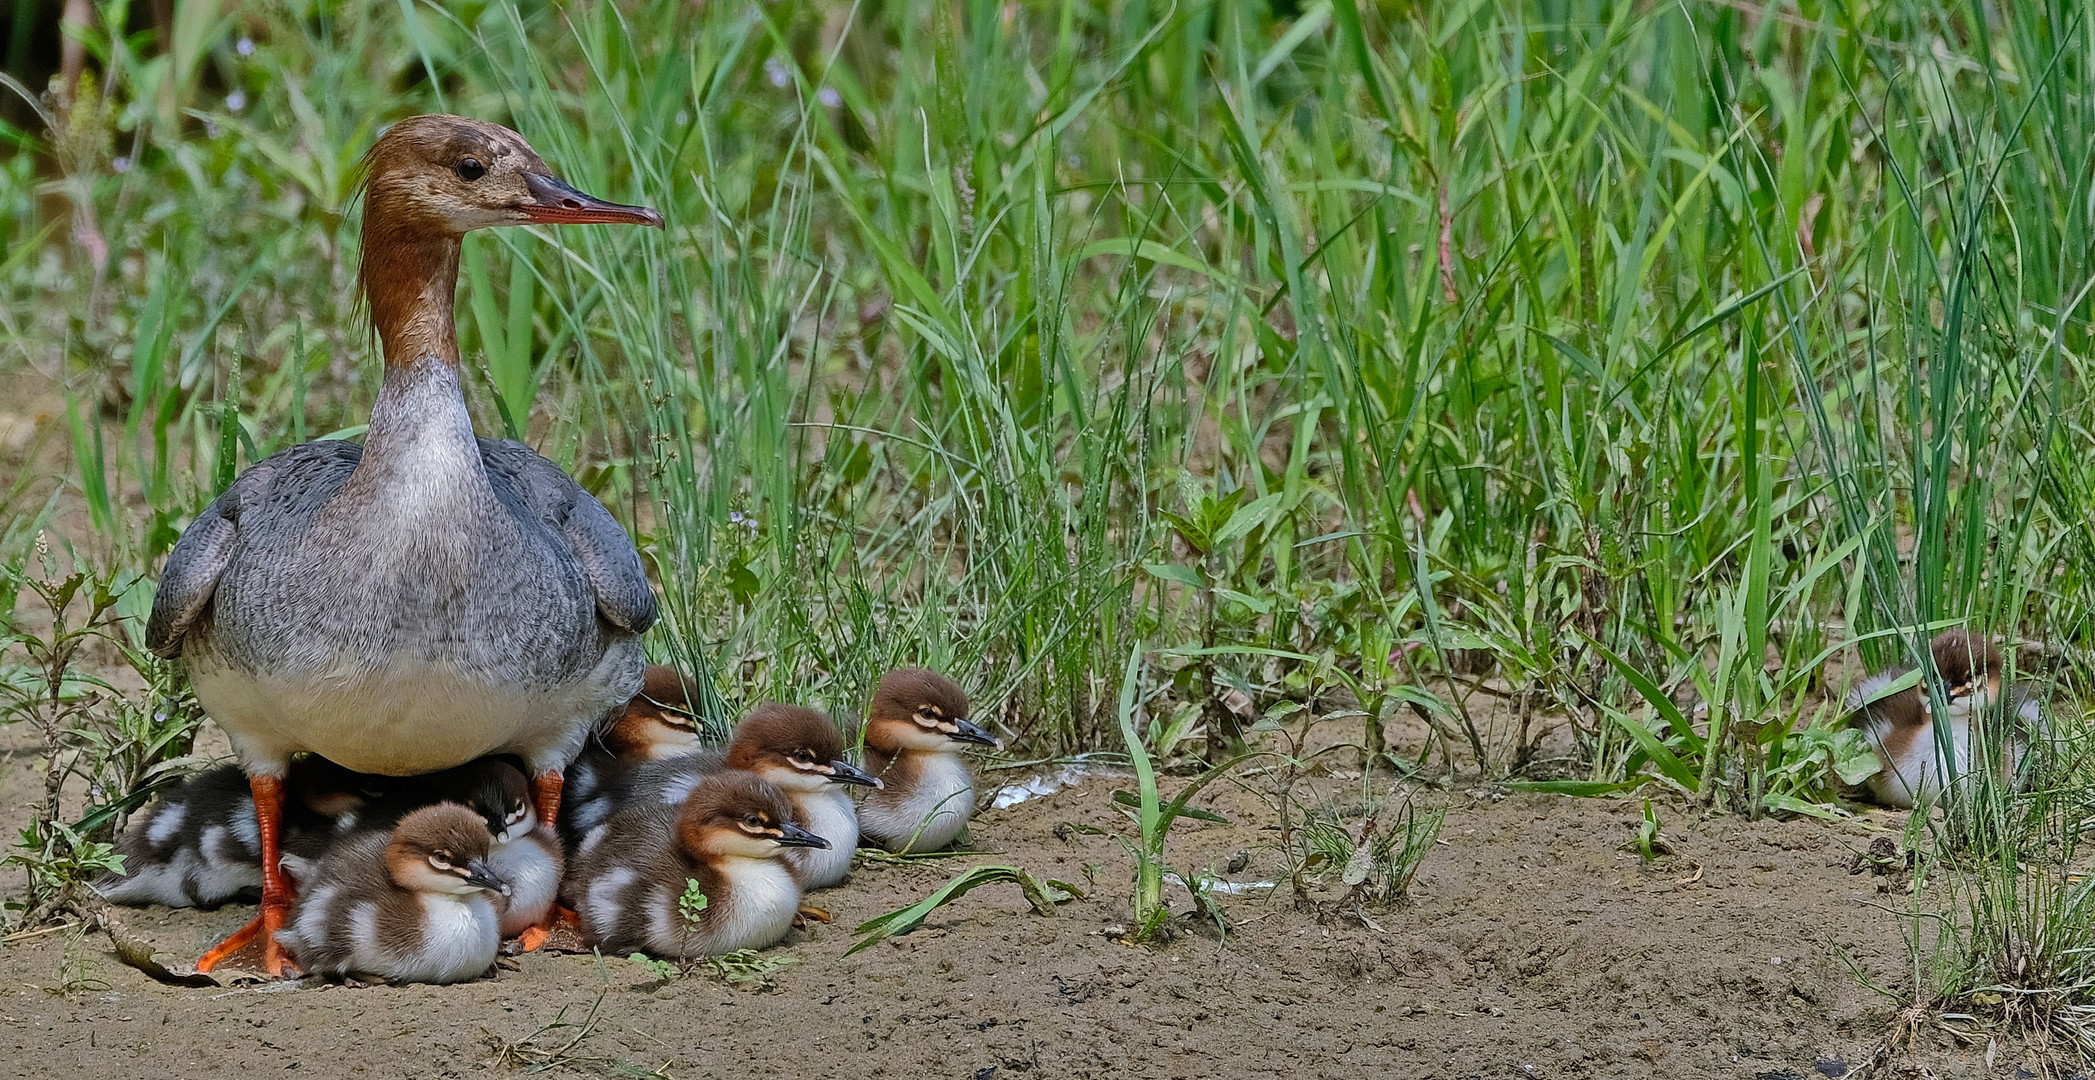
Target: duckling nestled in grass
pixel 415 905
pixel 197 844
pixel 915 734
pixel 699 879
pixel 1900 727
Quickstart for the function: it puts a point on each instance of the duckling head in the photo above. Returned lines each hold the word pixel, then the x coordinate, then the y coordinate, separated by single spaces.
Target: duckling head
pixel 443 849
pixel 496 788
pixel 920 710
pixel 793 748
pixel 1970 669
pixel 658 723
pixel 737 814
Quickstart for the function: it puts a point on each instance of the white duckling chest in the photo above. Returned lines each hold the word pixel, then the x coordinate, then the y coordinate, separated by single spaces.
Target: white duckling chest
pixel 759 910
pixel 933 807
pixel 830 815
pixel 459 939
pixel 1912 767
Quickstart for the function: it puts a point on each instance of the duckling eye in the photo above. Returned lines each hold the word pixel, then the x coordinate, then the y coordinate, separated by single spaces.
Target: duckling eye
pixel 471 169
pixel 441 860
pixel 753 822
pixel 802 757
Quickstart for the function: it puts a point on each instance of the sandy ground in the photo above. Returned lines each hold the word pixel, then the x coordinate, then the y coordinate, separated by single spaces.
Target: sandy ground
pixel 1533 945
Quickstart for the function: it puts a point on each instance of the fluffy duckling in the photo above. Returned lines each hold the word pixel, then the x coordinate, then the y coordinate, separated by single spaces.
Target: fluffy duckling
pixel 657 724
pixel 526 854
pixel 699 879
pixel 915 734
pixel 800 752
pixel 416 905
pixel 1901 729
pixel 197 844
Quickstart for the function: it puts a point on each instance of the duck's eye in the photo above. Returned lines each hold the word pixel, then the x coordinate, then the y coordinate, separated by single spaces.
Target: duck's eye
pixel 441 860
pixel 753 822
pixel 471 169
pixel 802 757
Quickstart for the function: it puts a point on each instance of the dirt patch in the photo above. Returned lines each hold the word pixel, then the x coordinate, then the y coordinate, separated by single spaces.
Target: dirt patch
pixel 1533 946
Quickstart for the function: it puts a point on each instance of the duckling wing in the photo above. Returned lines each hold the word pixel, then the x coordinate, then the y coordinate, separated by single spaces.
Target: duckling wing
pixel 607 556
pixel 309 471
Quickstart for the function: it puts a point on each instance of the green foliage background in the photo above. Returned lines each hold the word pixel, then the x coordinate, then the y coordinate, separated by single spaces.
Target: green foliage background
pixel 1625 353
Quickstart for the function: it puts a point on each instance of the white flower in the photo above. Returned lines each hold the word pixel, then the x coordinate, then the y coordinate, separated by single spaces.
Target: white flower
pixel 122 164
pixel 245 46
pixel 828 96
pixel 236 101
pixel 776 70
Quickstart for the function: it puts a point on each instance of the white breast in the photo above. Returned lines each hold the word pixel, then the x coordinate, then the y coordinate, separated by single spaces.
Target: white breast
pixel 760 911
pixel 933 810
pixel 533 875
pixel 1914 772
pixel 1907 771
pixel 827 813
pixel 459 939
pixel 411 717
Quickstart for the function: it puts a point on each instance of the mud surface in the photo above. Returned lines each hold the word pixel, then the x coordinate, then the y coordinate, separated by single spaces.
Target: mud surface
pixel 1534 944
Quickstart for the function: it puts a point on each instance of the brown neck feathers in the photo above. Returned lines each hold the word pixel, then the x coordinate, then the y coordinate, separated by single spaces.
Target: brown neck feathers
pixel 410 281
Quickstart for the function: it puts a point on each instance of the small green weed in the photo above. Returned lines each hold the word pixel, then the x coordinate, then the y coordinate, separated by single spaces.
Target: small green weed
pixel 1041 894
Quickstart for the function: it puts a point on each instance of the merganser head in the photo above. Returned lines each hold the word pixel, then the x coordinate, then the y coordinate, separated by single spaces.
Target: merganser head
pixel 736 814
pixel 793 748
pixel 920 710
pixel 450 175
pixel 658 722
pixel 443 849
pixel 1970 669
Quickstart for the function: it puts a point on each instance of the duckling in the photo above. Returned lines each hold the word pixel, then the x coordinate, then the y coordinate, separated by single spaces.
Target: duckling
pixel 526 853
pixel 197 844
pixel 699 879
pixel 800 752
pixel 415 905
pixel 915 734
pixel 1900 727
pixel 657 724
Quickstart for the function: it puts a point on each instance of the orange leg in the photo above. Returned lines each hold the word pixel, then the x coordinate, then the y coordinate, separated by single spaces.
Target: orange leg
pixel 546 792
pixel 546 788
pixel 276 888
